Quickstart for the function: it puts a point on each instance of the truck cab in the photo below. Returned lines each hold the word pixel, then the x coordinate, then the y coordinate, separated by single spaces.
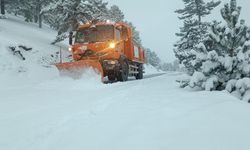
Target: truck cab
pixel 112 45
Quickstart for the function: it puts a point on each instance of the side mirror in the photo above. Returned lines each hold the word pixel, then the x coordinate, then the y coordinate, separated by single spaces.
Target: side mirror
pixel 120 28
pixel 71 38
pixel 125 37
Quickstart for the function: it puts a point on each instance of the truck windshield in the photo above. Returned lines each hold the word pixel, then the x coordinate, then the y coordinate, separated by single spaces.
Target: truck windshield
pixel 98 34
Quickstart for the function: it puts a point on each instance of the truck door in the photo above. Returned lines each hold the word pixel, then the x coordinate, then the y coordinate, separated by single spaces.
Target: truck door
pixel 127 49
pixel 120 43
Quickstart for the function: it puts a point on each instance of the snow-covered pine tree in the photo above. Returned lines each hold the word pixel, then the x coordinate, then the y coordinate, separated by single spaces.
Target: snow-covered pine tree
pixel 152 58
pixel 27 9
pixel 30 9
pixel 147 52
pixel 196 8
pixel 74 12
pixel 225 61
pixel 13 6
pixel 193 30
pixel 115 14
pixel 53 14
pixel 136 34
pixel 99 9
pixel 22 7
pixel 38 13
pixel 190 35
pixel 174 66
pixel 71 12
pixel 155 60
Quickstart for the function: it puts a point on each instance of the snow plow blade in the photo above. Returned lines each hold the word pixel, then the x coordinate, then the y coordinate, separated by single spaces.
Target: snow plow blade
pixel 76 69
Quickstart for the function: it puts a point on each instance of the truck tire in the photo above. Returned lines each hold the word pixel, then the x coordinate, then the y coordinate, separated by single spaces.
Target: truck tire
pixel 139 76
pixel 111 77
pixel 123 70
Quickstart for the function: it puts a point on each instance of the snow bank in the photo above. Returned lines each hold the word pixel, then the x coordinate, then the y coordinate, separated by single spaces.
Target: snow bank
pixel 89 79
pixel 149 69
pixel 36 65
pixel 14 30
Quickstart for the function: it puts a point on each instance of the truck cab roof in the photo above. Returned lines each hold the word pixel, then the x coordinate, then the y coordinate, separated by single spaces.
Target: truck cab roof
pixel 87 25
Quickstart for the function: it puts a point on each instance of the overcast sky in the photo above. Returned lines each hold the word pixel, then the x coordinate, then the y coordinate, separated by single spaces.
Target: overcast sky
pixel 158 23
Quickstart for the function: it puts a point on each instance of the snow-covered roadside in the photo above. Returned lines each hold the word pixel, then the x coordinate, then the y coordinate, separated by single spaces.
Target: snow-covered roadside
pixel 151 70
pixel 153 113
pixel 15 32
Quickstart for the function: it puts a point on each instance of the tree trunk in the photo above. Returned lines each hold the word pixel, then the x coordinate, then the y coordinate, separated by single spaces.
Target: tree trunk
pixel 198 12
pixel 35 18
pixel 38 10
pixel 40 20
pixel 2 7
pixel 231 53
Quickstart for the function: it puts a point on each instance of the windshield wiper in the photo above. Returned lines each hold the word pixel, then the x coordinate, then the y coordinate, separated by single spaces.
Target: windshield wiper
pixel 92 41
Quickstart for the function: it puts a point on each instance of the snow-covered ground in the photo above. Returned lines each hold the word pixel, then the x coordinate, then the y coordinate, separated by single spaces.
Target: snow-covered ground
pixel 39 110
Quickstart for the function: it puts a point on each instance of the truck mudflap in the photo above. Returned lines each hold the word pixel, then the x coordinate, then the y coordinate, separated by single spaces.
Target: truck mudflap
pixel 76 69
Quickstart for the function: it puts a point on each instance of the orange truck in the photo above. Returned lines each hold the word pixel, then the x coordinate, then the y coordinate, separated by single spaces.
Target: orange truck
pixel 108 48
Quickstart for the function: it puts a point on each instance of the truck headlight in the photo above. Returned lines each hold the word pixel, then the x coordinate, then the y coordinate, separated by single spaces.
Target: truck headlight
pixel 112 45
pixel 70 49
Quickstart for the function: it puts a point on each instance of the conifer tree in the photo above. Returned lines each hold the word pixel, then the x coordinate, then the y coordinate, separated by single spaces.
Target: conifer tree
pixel 38 10
pixel 193 31
pixel 136 34
pixel 225 56
pixel 31 9
pixel 196 8
pixel 152 58
pixel 71 13
pixel 116 14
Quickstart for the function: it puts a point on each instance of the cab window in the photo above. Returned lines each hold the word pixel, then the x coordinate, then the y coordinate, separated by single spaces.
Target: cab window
pixel 118 34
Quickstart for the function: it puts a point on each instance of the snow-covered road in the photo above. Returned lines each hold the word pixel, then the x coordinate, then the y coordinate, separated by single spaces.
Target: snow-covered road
pixel 150 114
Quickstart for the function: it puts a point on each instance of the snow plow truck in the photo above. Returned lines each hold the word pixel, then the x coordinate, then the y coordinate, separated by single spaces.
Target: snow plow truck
pixel 108 48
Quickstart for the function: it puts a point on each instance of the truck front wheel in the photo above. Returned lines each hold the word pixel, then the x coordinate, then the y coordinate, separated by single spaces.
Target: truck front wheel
pixel 123 70
pixel 111 77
